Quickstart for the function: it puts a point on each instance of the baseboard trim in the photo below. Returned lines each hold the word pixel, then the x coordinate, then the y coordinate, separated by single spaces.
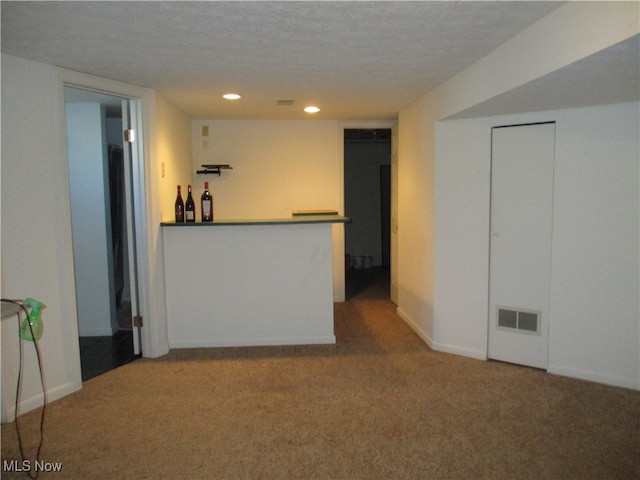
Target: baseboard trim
pixel 156 351
pixel 440 347
pixel 597 377
pixel 9 411
pixel 415 327
pixel 464 352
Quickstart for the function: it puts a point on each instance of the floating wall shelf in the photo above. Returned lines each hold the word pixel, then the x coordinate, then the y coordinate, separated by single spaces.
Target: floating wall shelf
pixel 213 169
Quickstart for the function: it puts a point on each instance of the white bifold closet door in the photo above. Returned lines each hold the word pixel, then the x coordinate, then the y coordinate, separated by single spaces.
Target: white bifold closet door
pixel 522 167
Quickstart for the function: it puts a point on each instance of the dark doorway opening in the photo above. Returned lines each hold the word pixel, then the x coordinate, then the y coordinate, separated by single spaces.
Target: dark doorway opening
pixel 367 193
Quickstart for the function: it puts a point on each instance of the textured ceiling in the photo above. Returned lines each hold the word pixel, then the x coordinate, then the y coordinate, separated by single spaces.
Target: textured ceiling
pixel 355 60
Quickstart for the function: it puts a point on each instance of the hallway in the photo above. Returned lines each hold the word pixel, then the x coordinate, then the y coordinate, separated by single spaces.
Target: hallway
pixel 367 283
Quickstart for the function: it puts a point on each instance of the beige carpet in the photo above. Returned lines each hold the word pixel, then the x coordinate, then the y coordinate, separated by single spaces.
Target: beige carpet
pixel 378 405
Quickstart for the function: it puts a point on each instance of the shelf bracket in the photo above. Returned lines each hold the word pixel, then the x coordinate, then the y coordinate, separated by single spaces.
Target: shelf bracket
pixel 213 169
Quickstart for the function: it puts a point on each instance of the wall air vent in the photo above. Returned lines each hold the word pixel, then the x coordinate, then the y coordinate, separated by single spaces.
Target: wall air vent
pixel 524 321
pixel 284 102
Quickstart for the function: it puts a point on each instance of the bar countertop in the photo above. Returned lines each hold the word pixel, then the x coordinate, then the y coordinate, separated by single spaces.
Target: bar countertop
pixel 296 219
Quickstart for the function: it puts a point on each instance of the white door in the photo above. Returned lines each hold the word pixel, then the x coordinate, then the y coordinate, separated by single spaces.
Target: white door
pixel 520 251
pixel 394 215
pixel 134 186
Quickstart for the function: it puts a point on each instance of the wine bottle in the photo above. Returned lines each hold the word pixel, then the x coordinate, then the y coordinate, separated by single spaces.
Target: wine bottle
pixel 206 202
pixel 179 207
pixel 189 208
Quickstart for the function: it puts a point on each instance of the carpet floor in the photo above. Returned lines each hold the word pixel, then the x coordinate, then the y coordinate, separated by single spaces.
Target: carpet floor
pixel 379 404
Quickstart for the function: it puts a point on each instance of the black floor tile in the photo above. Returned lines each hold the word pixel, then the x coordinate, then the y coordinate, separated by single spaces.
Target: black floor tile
pixel 98 355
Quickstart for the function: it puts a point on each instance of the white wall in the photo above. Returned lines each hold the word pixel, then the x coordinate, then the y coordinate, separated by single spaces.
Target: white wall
pixel 86 136
pixel 167 141
pixel 595 323
pixel 462 214
pixel 594 318
pixel 278 166
pixel 167 163
pixel 416 208
pixel 36 230
pixel 174 152
pixel 434 182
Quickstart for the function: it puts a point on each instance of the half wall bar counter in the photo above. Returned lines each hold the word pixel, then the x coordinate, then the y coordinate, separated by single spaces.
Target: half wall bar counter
pixel 250 282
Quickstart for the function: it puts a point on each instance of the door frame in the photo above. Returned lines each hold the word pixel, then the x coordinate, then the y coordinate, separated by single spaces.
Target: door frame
pixel 133 158
pixel 393 254
pixel 393 127
pixel 153 338
pixel 513 353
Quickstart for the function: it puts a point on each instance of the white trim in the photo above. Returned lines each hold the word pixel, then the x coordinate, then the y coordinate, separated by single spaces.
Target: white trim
pixel 69 320
pixel 597 377
pixel 440 347
pixel 155 340
pixel 414 326
pixel 464 352
pixel 102 85
pixel 35 401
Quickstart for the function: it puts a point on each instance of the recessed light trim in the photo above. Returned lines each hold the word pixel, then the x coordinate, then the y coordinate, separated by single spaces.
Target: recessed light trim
pixel 231 96
pixel 311 109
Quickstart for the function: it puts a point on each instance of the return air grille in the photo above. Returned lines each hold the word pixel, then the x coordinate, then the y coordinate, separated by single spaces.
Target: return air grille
pixel 525 321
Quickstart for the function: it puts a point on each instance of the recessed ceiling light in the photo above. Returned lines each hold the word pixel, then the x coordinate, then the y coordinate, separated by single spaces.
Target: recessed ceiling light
pixel 311 109
pixel 231 96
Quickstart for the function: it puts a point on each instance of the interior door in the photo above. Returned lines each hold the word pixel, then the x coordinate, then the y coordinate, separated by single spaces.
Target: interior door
pixel 394 215
pixel 520 245
pixel 132 178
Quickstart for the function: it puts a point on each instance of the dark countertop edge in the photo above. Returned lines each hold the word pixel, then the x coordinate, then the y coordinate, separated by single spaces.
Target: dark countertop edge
pixel 265 221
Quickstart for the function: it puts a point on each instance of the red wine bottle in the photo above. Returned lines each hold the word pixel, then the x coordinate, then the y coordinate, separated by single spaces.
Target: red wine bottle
pixel 189 208
pixel 179 207
pixel 206 202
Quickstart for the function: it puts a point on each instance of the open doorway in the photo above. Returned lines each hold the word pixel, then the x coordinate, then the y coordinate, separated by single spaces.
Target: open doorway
pixel 101 246
pixel 367 198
